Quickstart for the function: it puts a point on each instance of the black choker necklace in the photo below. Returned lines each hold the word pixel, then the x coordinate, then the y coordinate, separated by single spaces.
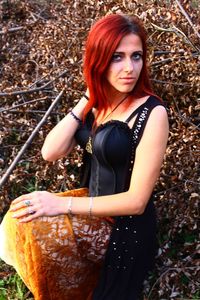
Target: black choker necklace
pixel 110 113
pixel 88 147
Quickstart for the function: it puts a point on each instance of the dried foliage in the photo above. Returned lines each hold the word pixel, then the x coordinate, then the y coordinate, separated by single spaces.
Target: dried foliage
pixel 39 41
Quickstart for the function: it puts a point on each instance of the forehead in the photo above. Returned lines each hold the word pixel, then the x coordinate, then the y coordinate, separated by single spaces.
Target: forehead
pixel 130 41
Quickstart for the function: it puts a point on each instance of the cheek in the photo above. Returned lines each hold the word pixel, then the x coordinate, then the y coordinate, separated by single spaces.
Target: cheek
pixel 138 68
pixel 112 72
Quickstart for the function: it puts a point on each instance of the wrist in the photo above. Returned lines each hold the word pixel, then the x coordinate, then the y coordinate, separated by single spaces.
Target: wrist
pixel 69 206
pixel 62 205
pixel 86 96
pixel 75 117
pixel 77 206
pixel 79 108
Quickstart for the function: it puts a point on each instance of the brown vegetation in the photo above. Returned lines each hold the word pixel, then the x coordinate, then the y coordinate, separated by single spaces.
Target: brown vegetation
pixel 41 54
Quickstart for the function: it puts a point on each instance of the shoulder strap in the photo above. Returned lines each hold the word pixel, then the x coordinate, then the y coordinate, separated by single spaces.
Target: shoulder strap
pixel 140 123
pixel 142 118
pixel 132 115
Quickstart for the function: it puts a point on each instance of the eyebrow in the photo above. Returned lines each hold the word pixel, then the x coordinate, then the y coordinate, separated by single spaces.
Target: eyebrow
pixel 136 51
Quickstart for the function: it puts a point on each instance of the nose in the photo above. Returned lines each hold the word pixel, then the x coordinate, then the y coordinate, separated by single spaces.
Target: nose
pixel 128 65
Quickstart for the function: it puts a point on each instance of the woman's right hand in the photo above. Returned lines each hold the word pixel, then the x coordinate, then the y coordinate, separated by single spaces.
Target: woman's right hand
pixel 30 206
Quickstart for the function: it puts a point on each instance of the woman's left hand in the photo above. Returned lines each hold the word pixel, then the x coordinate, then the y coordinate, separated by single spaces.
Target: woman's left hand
pixel 36 204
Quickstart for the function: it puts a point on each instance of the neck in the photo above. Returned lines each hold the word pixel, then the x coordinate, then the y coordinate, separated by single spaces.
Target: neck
pixel 114 107
pixel 115 99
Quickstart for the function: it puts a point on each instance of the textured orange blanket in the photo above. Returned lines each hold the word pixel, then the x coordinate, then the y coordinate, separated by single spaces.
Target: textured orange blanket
pixel 58 258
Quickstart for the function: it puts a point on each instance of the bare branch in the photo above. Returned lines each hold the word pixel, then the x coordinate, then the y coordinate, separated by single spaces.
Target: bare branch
pixel 188 18
pixel 160 62
pixel 167 60
pixel 184 118
pixel 39 80
pixel 172 83
pixel 33 111
pixel 164 52
pixel 14 29
pixel 177 31
pixel 22 104
pixel 33 90
pixel 161 28
pixel 170 270
pixel 28 142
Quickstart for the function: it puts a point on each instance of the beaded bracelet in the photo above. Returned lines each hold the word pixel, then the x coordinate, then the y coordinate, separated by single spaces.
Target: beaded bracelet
pixel 90 207
pixel 86 97
pixel 76 118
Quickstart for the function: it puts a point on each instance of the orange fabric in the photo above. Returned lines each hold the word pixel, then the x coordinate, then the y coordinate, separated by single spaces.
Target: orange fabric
pixel 58 258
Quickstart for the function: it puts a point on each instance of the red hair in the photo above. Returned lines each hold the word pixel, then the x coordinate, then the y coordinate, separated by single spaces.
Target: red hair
pixel 103 39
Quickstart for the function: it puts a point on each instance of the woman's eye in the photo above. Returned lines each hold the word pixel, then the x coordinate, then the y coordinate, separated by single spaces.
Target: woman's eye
pixel 116 57
pixel 137 56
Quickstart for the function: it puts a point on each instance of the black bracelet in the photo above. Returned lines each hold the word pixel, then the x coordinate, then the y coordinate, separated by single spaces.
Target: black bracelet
pixel 76 118
pixel 86 97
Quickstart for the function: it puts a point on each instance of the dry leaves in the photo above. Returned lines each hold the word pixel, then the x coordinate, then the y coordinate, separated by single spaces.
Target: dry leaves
pixel 48 38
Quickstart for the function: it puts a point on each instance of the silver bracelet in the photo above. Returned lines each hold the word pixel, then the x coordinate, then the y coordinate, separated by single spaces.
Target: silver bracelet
pixel 90 207
pixel 69 206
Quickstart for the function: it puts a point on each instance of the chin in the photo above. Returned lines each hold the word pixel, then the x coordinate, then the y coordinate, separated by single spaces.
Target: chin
pixel 126 90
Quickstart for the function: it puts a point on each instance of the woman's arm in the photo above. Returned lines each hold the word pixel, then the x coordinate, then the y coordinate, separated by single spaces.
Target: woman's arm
pixel 148 161
pixel 60 141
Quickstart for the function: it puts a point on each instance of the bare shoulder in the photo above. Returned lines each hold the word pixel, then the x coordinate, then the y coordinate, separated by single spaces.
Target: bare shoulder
pixel 158 116
pixel 156 130
pixel 159 109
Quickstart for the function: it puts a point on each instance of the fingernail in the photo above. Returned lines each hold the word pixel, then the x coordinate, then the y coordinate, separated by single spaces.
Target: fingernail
pixel 22 221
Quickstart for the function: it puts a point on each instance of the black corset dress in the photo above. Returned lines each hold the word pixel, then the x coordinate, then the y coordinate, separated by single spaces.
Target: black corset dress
pixel 107 170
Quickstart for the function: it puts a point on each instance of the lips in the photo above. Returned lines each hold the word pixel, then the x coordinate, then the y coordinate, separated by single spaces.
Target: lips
pixel 127 79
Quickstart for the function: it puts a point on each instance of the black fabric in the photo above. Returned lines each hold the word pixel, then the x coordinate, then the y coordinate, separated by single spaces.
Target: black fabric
pixel 132 247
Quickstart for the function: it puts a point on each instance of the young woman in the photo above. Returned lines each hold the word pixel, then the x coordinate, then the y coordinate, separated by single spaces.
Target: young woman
pixel 123 129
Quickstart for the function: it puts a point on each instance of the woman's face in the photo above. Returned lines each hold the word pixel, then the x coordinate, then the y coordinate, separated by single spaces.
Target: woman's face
pixel 126 65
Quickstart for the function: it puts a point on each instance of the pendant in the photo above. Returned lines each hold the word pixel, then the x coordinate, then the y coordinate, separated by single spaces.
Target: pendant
pixel 88 147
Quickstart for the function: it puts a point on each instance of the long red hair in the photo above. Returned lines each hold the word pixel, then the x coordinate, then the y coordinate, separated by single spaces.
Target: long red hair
pixel 103 39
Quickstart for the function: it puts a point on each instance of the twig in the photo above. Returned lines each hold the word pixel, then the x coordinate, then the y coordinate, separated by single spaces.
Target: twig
pixel 39 80
pixel 161 28
pixel 167 60
pixel 163 52
pixel 169 270
pixel 177 31
pixel 160 62
pixel 22 104
pixel 169 189
pixel 183 182
pixel 28 142
pixel 187 298
pixel 184 118
pixel 33 111
pixel 182 34
pixel 172 83
pixel 34 15
pixel 188 18
pixel 14 29
pixel 33 90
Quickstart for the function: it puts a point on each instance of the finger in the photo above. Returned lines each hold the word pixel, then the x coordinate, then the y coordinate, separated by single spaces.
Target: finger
pixel 21 198
pixel 24 212
pixel 21 204
pixel 16 206
pixel 29 218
